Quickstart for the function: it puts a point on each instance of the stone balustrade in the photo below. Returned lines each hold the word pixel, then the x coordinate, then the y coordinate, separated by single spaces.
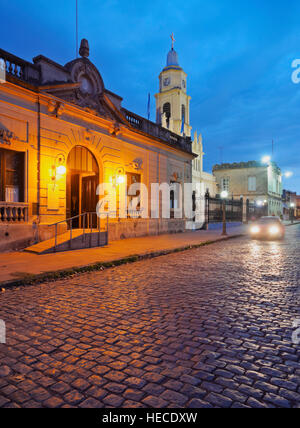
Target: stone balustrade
pixel 20 69
pixel 158 131
pixel 13 212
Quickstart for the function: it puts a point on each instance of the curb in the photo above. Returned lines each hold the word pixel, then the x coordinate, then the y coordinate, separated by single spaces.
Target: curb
pixel 101 266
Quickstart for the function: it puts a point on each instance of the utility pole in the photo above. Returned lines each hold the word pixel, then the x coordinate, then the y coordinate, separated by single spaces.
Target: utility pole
pixel 221 153
pixel 224 196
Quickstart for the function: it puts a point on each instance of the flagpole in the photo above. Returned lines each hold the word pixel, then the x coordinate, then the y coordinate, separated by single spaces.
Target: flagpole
pixel 148 106
pixel 76 28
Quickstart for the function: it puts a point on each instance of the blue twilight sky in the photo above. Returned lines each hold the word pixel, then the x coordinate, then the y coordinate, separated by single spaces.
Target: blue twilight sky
pixel 237 53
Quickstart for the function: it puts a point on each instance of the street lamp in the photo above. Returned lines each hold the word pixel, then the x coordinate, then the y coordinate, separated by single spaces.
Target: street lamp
pixel 288 174
pixel 224 196
pixel 292 212
pixel 266 159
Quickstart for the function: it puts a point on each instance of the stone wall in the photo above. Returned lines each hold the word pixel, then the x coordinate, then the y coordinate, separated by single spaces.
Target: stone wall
pixel 125 229
pixel 15 237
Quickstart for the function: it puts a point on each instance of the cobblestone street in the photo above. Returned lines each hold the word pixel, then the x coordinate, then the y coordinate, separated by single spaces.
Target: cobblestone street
pixel 210 327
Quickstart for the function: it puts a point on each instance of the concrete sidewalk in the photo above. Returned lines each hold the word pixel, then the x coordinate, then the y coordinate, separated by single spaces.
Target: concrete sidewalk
pixel 20 268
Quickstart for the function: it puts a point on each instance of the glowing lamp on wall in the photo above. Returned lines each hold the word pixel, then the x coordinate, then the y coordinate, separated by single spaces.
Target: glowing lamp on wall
pixel 58 168
pixel 120 179
pixel 61 170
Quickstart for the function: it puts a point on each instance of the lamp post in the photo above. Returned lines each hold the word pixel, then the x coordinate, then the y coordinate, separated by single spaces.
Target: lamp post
pixel 292 212
pixel 266 160
pixel 287 175
pixel 224 196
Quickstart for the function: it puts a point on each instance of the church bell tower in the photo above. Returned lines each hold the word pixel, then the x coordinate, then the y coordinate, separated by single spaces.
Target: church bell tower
pixel 172 101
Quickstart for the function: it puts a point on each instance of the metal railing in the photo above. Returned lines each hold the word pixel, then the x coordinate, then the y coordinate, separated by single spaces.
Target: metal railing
pixel 214 210
pixel 85 222
pixel 254 212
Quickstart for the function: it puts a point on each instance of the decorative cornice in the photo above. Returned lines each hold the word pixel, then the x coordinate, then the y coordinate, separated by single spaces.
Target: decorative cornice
pixel 243 165
pixel 6 136
pixel 55 108
pixel 115 129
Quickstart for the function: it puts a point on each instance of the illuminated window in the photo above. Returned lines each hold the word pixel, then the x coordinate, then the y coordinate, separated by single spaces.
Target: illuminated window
pixel 225 184
pixel 133 178
pixel 11 176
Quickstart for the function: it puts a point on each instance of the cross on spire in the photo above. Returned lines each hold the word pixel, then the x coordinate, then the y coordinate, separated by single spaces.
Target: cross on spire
pixel 173 40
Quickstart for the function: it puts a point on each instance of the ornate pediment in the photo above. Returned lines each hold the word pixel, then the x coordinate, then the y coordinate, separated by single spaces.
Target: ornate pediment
pixel 82 71
pixel 79 82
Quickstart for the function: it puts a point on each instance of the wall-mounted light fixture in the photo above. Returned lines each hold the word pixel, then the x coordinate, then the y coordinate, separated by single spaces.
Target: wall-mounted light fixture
pixel 58 168
pixel 119 177
pixel 224 194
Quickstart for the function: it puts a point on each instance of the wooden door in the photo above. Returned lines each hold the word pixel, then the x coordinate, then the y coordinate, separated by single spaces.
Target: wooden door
pixel 75 201
pixel 89 198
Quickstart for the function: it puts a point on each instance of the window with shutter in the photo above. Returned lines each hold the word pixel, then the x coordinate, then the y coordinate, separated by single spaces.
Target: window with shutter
pixel 252 184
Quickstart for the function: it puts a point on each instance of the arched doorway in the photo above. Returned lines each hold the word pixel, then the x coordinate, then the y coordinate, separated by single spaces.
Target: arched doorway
pixel 82 182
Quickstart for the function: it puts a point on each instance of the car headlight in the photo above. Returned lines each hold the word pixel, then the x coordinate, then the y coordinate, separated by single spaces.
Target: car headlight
pixel 274 230
pixel 255 229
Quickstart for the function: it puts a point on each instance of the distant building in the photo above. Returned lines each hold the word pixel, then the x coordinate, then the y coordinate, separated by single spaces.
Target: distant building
pixel 255 181
pixel 289 204
pixel 298 207
pixel 208 181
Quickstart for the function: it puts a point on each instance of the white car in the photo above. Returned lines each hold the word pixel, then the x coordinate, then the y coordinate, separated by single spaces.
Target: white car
pixel 267 228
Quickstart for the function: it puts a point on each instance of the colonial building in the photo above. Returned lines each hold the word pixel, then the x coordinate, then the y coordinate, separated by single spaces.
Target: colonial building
pixel 173 113
pixel 298 206
pixel 255 181
pixel 290 204
pixel 62 133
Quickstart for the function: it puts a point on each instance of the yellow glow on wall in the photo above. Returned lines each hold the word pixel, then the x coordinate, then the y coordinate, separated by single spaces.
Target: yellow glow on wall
pixel 120 179
pixel 61 170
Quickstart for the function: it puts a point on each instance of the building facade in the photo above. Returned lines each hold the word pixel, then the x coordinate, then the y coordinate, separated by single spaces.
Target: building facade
pixel 290 204
pixel 62 133
pixel 298 207
pixel 255 181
